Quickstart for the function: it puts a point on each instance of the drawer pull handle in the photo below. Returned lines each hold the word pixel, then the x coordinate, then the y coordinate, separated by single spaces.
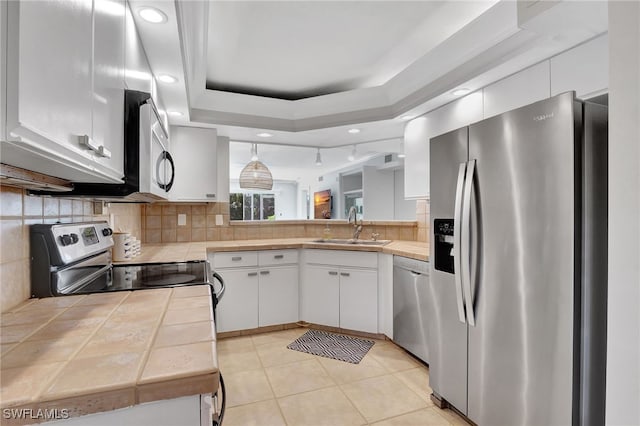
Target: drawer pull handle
pixel 345 274
pixel 333 272
pixel 264 272
pixel 236 258
pixel 252 274
pixel 279 256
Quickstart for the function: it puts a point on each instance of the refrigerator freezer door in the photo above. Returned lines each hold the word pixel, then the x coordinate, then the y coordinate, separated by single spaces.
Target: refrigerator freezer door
pixel 447 335
pixel 522 347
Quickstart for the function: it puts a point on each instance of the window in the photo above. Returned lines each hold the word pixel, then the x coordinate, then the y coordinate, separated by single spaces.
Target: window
pixel 252 206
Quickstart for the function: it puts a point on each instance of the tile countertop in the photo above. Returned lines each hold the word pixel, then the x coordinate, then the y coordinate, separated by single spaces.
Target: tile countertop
pixel 99 352
pixel 180 252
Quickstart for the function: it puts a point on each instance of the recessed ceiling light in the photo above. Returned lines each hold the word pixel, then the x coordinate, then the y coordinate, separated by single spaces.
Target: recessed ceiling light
pixel 175 113
pixel 264 135
pixel 153 15
pixel 406 117
pixel 353 131
pixel 166 78
pixel 460 92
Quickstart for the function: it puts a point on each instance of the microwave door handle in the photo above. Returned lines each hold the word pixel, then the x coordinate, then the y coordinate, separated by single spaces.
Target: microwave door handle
pixel 457 221
pixel 465 252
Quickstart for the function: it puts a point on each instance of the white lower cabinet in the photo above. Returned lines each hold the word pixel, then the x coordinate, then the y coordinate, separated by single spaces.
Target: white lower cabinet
pixel 261 288
pixel 320 295
pixel 340 289
pixel 269 287
pixel 238 307
pixel 359 300
pixel 278 295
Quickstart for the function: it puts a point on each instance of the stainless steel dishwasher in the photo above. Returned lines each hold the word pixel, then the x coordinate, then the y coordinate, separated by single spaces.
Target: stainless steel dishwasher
pixel 411 305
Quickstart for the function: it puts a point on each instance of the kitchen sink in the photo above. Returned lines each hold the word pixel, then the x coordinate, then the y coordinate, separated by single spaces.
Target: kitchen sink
pixel 354 242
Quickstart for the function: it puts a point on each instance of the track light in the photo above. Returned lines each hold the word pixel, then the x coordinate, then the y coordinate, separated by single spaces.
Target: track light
pixel 352 156
pixel 254 152
pixel 318 158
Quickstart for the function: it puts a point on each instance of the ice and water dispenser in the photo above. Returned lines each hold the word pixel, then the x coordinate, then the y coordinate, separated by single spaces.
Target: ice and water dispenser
pixel 443 236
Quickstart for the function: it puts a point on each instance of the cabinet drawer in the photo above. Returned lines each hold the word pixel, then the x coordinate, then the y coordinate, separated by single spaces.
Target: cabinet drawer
pixel 235 259
pixel 342 258
pixel 277 257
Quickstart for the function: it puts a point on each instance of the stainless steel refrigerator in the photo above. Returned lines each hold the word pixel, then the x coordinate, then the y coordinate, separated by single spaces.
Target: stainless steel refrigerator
pixel 518 266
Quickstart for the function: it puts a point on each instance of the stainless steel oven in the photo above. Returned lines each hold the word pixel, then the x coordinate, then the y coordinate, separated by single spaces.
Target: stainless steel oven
pixel 75 258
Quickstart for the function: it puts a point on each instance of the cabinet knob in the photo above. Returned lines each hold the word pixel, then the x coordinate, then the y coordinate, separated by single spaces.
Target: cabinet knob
pixel 236 258
pixel 252 274
pixel 345 274
pixel 279 256
pixel 264 272
pixel 333 272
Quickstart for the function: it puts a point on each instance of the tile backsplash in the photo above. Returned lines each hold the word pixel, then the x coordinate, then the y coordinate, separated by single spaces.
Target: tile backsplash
pixel 161 225
pixel 19 210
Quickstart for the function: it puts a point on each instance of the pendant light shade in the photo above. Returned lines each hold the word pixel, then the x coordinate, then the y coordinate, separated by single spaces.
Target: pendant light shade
pixel 256 175
pixel 318 158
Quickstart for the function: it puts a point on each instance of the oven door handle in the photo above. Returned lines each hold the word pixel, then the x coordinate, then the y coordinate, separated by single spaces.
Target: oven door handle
pixel 82 282
pixel 222 286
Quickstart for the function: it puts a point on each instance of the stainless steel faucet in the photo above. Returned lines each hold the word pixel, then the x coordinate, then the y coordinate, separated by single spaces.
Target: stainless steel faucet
pixel 353 215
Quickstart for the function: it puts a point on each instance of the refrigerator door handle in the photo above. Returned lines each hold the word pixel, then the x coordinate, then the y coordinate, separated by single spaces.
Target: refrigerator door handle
pixel 457 259
pixel 465 252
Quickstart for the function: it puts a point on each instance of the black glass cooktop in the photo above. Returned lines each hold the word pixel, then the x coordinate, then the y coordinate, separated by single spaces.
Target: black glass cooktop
pixel 150 275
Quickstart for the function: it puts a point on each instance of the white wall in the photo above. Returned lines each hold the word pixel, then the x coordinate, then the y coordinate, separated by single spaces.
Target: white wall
pixel 623 324
pixel 402 209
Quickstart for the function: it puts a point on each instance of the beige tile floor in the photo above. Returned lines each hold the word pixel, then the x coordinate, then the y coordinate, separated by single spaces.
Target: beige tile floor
pixel 270 385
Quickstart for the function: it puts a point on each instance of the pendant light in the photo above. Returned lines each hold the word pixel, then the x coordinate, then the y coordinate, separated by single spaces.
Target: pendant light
pixel 256 175
pixel 318 158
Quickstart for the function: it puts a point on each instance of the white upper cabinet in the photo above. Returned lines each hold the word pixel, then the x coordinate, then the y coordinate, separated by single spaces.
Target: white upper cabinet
pixel 418 131
pixel 518 90
pixel 197 153
pixel 57 54
pixel 584 69
pixel 108 80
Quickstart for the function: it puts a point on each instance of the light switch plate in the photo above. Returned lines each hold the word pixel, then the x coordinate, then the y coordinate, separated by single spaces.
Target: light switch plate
pixel 218 220
pixel 182 219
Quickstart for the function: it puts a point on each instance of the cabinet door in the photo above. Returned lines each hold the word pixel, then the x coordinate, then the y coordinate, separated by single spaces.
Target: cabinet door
pixel 359 300
pixel 278 295
pixel 195 157
pixel 320 295
pixel 54 43
pixel 238 307
pixel 108 82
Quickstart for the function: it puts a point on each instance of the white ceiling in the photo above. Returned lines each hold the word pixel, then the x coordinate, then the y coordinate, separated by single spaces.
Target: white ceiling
pixel 300 49
pixel 397 61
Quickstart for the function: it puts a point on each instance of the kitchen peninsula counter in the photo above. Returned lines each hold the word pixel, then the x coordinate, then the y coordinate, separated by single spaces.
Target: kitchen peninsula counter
pixel 94 353
pixel 181 252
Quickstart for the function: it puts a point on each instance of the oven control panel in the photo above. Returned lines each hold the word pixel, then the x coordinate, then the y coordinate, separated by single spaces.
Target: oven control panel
pixel 75 241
